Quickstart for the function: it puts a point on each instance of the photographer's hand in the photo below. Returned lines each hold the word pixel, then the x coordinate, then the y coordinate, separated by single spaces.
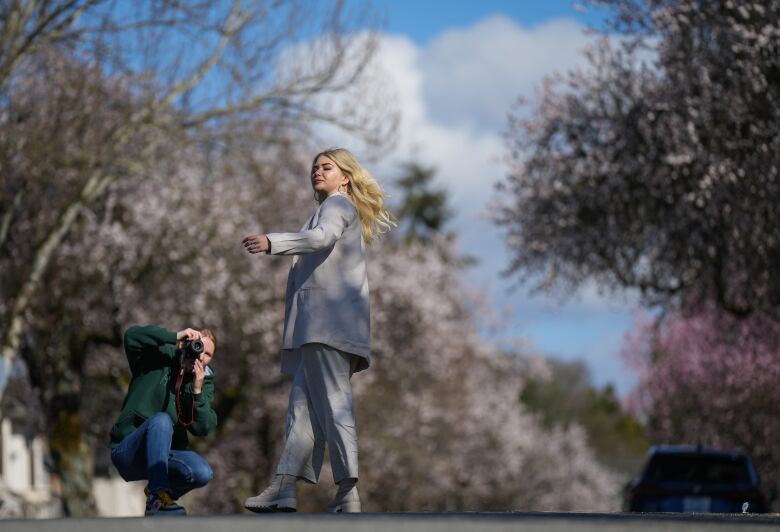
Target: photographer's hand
pixel 200 375
pixel 187 334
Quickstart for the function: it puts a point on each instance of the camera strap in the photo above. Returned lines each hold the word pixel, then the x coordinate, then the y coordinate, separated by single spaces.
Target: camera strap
pixel 179 388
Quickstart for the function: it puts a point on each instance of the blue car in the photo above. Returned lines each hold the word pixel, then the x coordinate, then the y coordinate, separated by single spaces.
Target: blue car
pixel 695 479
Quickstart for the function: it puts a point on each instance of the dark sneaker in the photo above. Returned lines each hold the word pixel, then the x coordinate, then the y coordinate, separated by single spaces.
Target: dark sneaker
pixel 161 503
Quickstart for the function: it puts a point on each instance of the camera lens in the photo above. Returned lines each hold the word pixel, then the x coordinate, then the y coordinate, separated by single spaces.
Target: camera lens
pixel 197 346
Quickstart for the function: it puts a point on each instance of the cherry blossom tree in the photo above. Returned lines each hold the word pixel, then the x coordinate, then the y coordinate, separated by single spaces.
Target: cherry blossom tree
pixel 710 378
pixel 117 87
pixel 655 167
pixel 165 251
pixel 440 414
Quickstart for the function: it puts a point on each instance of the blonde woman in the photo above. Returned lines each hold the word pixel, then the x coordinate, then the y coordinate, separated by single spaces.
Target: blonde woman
pixel 326 328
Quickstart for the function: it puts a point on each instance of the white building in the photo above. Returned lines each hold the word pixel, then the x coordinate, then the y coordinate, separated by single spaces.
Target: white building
pixel 25 487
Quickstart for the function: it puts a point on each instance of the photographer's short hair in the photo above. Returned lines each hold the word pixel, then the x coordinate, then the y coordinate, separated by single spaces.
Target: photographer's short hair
pixel 208 334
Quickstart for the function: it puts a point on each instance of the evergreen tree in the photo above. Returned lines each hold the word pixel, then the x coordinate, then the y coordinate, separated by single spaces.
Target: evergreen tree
pixel 423 211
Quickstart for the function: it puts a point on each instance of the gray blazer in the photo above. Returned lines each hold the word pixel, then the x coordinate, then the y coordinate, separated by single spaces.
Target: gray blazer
pixel 327 287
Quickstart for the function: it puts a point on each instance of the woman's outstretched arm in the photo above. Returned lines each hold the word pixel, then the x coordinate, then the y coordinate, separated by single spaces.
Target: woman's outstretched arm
pixel 336 214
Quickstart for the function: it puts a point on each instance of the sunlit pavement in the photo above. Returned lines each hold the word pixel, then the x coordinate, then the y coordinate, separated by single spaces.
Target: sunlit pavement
pixel 408 522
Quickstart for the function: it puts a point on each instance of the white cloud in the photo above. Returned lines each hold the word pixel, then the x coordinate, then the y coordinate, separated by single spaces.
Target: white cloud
pixel 454 95
pixel 474 75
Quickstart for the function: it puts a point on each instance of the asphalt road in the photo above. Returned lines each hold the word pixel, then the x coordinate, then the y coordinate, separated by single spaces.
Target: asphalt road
pixel 409 522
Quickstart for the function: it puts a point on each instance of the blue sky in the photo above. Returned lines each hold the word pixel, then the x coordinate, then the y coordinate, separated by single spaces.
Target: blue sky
pixel 421 20
pixel 458 67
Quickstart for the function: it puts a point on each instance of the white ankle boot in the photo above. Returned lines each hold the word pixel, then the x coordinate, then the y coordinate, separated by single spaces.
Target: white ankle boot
pixel 278 497
pixel 346 499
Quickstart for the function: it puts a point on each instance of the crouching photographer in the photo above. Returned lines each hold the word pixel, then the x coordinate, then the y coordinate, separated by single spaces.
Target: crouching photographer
pixel 170 394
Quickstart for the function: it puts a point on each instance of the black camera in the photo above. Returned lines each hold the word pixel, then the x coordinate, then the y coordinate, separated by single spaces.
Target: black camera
pixel 191 349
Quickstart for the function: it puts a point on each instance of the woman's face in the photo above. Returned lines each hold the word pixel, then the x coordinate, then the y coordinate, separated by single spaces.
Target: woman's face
pixel 326 177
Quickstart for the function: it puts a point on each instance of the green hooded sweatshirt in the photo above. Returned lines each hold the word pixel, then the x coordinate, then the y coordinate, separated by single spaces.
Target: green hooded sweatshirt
pixel 153 358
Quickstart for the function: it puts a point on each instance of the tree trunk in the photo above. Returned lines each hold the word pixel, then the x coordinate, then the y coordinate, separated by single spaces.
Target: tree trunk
pixel 13 333
pixel 73 464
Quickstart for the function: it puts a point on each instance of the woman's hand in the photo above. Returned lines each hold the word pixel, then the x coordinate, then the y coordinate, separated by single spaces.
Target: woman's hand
pixel 200 375
pixel 257 243
pixel 187 334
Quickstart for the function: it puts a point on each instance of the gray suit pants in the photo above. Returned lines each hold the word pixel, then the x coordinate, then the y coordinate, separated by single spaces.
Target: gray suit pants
pixel 320 411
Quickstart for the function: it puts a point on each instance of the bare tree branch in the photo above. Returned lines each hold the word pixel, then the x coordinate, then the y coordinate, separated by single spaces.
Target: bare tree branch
pixel 47 30
pixel 5 225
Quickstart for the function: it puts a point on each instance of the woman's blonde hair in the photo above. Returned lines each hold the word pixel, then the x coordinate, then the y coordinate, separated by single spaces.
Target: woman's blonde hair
pixel 363 191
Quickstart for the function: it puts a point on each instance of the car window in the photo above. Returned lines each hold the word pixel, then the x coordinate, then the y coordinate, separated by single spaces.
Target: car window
pixel 697 469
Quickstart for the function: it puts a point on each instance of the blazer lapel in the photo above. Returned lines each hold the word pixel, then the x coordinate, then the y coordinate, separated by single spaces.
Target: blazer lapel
pixel 315 217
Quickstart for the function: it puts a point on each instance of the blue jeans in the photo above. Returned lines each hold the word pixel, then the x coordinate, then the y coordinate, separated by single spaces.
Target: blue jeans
pixel 146 454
